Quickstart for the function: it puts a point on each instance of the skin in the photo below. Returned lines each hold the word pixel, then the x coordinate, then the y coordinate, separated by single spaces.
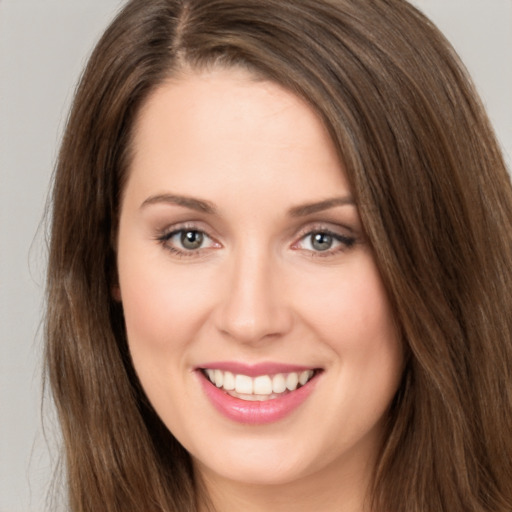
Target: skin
pixel 257 290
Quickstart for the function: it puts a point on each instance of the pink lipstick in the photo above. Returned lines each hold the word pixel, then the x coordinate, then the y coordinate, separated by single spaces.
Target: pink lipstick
pixel 256 394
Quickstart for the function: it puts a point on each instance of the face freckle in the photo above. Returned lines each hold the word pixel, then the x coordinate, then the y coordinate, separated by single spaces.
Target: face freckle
pixel 241 252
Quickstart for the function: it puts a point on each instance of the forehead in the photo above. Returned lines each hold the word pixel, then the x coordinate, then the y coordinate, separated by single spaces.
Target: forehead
pixel 226 126
pixel 221 99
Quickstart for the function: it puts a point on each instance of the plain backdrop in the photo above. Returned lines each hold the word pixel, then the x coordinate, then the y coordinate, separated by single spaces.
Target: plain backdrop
pixel 43 47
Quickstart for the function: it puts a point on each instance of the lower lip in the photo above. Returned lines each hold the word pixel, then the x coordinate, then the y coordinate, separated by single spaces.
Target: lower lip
pixel 255 413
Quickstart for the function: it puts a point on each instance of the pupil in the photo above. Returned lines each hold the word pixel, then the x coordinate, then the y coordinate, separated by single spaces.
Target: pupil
pixel 321 241
pixel 191 239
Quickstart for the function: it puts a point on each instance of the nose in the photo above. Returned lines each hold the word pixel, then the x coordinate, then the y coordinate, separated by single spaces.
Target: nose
pixel 254 305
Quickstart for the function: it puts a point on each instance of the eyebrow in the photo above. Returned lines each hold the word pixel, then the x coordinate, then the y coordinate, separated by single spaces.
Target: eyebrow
pixel 208 207
pixel 310 208
pixel 188 202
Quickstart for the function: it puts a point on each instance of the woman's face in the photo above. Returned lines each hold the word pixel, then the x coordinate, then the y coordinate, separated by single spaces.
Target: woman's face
pixel 242 261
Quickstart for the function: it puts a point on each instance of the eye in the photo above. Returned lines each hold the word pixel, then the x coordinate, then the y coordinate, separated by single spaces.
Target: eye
pixel 186 241
pixel 191 240
pixel 324 241
pixel 321 241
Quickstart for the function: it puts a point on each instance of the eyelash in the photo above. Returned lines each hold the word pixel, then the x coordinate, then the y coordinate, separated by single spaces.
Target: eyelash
pixel 165 237
pixel 346 242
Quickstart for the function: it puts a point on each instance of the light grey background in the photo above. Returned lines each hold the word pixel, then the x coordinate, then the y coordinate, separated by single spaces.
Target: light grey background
pixel 43 46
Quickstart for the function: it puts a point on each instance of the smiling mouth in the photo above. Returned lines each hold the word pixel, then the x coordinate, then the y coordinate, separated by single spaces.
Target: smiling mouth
pixel 261 387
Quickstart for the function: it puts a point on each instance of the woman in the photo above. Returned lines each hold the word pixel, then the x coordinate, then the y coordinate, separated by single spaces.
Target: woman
pixel 279 271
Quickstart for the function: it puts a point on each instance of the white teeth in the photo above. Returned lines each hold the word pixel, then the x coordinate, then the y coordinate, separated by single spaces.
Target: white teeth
pixel 262 387
pixel 279 383
pixel 219 378
pixel 305 376
pixel 292 381
pixel 229 381
pixel 243 384
pixel 252 398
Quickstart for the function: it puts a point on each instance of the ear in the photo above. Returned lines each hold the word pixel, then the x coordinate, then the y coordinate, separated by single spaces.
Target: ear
pixel 115 291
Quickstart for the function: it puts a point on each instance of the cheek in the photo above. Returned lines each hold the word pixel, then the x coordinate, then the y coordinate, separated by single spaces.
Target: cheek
pixel 350 306
pixel 163 305
pixel 352 316
pixel 164 310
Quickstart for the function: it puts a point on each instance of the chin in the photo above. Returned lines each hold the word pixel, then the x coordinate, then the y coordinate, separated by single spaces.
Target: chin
pixel 259 473
pixel 258 461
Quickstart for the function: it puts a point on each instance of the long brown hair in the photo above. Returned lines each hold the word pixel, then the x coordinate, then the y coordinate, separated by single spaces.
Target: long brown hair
pixel 434 197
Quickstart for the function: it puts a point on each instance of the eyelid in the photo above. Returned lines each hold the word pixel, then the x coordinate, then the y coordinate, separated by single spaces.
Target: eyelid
pixel 345 241
pixel 327 227
pixel 344 236
pixel 167 229
pixel 163 237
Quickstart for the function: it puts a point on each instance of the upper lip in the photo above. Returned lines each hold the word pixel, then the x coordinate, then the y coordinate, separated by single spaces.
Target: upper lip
pixel 253 370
